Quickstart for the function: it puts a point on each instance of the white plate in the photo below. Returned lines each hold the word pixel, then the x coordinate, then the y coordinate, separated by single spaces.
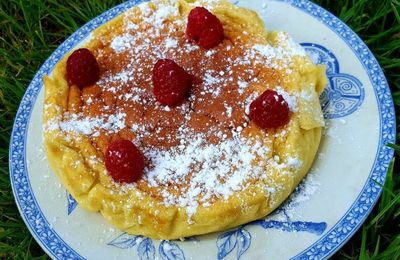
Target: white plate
pixel 324 213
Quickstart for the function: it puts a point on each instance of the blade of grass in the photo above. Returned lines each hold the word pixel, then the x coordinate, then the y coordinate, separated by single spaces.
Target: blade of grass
pixel 363 252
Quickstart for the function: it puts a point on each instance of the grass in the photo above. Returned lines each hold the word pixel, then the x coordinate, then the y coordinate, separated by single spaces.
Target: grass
pixel 31 29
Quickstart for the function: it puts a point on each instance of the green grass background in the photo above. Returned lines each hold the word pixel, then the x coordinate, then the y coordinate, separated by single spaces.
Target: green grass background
pixel 31 29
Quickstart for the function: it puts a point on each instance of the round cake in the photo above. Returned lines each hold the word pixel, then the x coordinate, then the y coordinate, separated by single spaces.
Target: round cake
pixel 226 146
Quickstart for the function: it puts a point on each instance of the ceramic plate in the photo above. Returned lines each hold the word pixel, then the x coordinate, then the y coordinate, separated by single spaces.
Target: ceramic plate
pixel 322 214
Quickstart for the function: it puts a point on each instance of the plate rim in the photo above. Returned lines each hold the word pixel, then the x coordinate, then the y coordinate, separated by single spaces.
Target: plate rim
pixel 323 247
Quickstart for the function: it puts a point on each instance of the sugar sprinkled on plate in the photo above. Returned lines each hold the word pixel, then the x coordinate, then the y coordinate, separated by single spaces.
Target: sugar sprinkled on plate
pixel 303 193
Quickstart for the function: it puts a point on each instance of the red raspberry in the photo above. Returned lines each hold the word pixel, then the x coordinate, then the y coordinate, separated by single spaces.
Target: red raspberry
pixel 124 161
pixel 171 82
pixel 270 110
pixel 82 68
pixel 204 28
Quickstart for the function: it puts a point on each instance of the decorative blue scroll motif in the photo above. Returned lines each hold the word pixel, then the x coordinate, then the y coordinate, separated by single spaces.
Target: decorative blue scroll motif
pixel 316 228
pixel 344 93
pixel 71 203
pixel 168 250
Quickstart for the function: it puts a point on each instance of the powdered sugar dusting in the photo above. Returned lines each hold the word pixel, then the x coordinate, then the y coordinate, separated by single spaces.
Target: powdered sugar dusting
pixel 291 100
pixel 306 95
pixel 90 126
pixel 291 47
pixel 171 43
pixel 278 56
pixel 242 85
pixel 294 162
pixel 162 12
pixel 122 43
pixel 220 169
pixel 303 193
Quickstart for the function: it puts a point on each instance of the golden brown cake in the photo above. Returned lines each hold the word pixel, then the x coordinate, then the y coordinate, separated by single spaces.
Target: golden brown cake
pixel 208 167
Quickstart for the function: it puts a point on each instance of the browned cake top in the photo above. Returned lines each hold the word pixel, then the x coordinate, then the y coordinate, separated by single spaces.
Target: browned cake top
pixel 204 148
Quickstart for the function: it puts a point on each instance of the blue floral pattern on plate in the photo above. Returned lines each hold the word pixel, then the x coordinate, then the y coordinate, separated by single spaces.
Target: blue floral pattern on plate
pixel 238 238
pixel 168 250
pixel 330 241
pixel 146 249
pixel 344 93
pixel 71 203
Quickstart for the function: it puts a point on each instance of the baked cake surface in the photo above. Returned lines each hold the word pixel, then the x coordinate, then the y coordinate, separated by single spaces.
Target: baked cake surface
pixel 208 166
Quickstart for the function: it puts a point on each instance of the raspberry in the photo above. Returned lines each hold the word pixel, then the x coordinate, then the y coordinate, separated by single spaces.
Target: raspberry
pixel 204 28
pixel 171 82
pixel 270 110
pixel 124 161
pixel 82 68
